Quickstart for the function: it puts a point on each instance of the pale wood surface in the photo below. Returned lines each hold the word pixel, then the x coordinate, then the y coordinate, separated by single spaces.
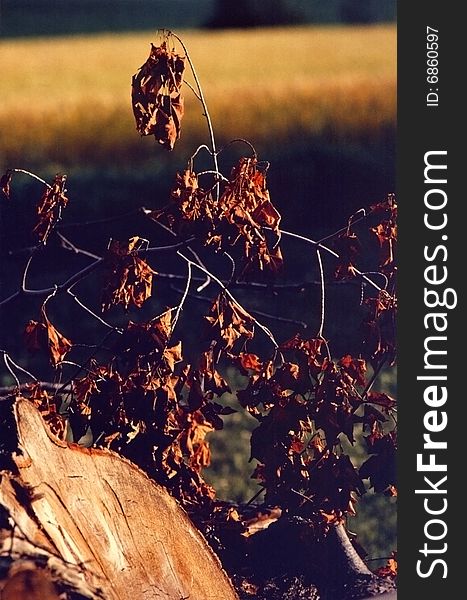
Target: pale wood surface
pixel 121 536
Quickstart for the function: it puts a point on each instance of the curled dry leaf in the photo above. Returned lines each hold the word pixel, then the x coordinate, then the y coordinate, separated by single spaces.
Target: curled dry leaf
pixel 50 206
pixel 232 321
pixel 348 247
pixel 355 367
pixel 157 102
pixel 128 277
pixel 42 335
pixel 245 205
pixel 390 568
pixel 5 182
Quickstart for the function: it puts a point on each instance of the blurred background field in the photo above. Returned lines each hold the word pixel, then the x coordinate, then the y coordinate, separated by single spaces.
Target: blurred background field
pixel 317 98
pixel 65 101
pixel 318 102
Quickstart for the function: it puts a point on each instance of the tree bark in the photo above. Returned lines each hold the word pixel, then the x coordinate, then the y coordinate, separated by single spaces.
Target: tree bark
pixel 86 523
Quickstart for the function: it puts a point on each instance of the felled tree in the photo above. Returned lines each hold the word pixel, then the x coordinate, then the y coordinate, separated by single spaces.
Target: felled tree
pixel 137 393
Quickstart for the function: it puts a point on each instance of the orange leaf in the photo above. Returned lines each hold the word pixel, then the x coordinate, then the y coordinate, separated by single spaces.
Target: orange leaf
pixel 5 182
pixel 58 344
pixel 43 336
pixel 52 202
pixel 156 99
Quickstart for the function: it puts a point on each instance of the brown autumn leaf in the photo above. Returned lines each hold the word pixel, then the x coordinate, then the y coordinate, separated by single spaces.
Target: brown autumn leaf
pixel 173 355
pixel 249 362
pixel 355 367
pixel 5 182
pixel 156 99
pixel 208 374
pixel 390 568
pixel 191 210
pixel 232 321
pixel 386 236
pixel 128 277
pixel 311 349
pixel 43 336
pixel 83 387
pixel 50 207
pixel 35 336
pixel 246 207
pixel 348 247
pixel 381 399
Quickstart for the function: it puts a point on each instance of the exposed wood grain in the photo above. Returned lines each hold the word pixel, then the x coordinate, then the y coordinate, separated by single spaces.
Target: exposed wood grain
pixel 93 510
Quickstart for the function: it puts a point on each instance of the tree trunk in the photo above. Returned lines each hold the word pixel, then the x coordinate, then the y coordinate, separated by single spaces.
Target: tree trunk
pixel 85 523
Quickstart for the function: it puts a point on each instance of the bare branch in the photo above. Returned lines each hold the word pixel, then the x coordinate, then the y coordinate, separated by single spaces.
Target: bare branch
pixel 68 245
pixel 335 254
pixel 323 295
pixel 48 386
pixel 229 294
pixel 93 314
pixel 33 175
pixel 9 369
pixel 205 107
pixel 182 301
pixel 253 312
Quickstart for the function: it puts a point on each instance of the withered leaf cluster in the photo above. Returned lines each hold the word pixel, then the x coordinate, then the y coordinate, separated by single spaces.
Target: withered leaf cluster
pixel 304 406
pixel 243 217
pixel 149 404
pixel 5 183
pixel 390 568
pixel 141 396
pixel 128 278
pixel 378 328
pixel 156 97
pixel 230 322
pixel 50 206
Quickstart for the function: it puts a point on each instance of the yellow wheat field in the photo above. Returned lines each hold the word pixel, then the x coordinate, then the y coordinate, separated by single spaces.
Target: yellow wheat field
pixel 66 101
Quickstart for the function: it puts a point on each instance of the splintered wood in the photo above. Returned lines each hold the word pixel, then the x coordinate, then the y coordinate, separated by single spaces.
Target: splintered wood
pixel 89 522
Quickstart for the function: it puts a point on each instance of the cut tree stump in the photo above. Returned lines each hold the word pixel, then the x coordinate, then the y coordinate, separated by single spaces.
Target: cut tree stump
pixel 86 523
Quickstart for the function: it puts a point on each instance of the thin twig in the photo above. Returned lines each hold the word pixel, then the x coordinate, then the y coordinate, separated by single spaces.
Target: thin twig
pixel 193 253
pixel 335 254
pixel 243 141
pixel 192 89
pixel 102 221
pixel 323 295
pixel 68 245
pixel 182 301
pixel 205 107
pixel 22 369
pixel 93 314
pixel 216 173
pixel 9 369
pixel 25 272
pixel 253 312
pixel 229 294
pixel 45 385
pixel 82 274
pixel 374 377
pixel 343 229
pixel 33 175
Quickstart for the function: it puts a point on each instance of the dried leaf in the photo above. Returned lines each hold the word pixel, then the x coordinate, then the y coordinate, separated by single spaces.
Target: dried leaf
pixel 128 277
pixel 50 207
pixel 173 355
pixel 390 568
pixel 232 322
pixel 43 336
pixel 249 362
pixel 156 99
pixel 5 182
